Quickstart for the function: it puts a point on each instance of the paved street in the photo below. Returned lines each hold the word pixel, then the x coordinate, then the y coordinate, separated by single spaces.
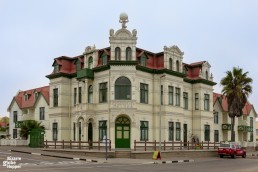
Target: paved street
pixel 31 163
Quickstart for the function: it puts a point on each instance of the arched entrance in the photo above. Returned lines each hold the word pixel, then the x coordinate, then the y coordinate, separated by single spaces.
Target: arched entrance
pixel 122 135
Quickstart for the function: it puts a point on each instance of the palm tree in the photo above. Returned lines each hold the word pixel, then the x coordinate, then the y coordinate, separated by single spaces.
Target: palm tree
pixel 236 88
pixel 27 126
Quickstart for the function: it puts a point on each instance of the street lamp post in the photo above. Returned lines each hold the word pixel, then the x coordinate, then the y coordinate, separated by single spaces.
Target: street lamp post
pixel 161 102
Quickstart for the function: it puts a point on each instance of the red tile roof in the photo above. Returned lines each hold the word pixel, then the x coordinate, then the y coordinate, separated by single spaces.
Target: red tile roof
pixel 224 104
pixel 22 103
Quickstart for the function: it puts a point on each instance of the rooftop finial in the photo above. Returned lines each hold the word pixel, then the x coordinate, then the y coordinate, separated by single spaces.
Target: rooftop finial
pixel 123 19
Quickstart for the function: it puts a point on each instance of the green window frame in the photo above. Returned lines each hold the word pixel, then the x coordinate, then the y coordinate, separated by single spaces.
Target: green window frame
pixel 206 132
pixel 206 102
pixel 171 131
pixel 178 131
pixel 170 95
pixel 15 116
pixel 104 59
pixel 102 129
pixel 216 135
pixel 55 131
pixel 123 89
pixel 103 92
pixel 144 93
pixel 143 61
pixel 42 113
pixel 74 96
pixel 196 101
pixel 55 97
pixel 177 96
pixel 185 97
pixel 80 95
pixel 15 133
pixel 144 128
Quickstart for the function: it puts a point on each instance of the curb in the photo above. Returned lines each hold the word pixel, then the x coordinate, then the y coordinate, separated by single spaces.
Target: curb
pixel 173 162
pixel 56 156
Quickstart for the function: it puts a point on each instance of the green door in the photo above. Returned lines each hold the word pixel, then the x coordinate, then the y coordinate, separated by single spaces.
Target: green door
pixel 37 138
pixel 122 132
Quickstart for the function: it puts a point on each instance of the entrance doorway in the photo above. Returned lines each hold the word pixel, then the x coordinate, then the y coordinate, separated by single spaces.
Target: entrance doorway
pixel 122 135
pixel 90 132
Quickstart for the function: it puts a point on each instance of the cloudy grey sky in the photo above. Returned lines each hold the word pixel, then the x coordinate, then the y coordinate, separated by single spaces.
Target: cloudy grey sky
pixel 33 33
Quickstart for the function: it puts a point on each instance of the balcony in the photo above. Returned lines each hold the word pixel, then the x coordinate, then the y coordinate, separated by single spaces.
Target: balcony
pixel 19 123
pixel 85 73
pixel 226 126
pixel 245 128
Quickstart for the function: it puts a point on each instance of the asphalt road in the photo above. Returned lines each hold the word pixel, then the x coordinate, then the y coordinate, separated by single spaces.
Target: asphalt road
pixel 34 163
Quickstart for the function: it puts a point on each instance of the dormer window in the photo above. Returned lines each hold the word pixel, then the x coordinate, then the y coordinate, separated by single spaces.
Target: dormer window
pixel 128 54
pixel 143 61
pixel 90 63
pixel 36 94
pixel 26 97
pixel 78 65
pixel 56 68
pixel 104 59
pixel 170 63
pixel 117 53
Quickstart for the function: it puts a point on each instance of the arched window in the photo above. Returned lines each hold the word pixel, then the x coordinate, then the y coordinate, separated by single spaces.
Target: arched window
pixel 177 66
pixel 90 63
pixel 170 63
pixel 207 75
pixel 104 59
pixel 123 89
pixel 90 94
pixel 117 53
pixel 128 54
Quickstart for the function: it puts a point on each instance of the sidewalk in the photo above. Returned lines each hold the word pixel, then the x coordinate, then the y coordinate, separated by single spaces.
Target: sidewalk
pixel 40 152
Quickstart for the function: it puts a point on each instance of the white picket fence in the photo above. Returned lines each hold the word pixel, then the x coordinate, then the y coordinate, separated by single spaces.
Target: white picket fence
pixel 13 142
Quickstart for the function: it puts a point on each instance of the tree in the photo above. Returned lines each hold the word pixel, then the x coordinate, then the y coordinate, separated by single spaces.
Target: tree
pixel 4 119
pixel 236 88
pixel 27 126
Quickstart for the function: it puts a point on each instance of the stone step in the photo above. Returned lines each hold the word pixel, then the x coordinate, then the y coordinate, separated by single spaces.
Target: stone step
pixel 123 154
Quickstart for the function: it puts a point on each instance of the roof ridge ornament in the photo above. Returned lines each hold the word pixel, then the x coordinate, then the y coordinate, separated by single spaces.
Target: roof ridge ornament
pixel 123 18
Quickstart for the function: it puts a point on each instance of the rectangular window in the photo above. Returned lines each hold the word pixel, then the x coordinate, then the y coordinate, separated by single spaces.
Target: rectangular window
pixel 74 131
pixel 15 116
pixel 80 95
pixel 216 135
pixel 56 68
pixel 216 117
pixel 171 131
pixel 178 131
pixel 144 93
pixel 251 133
pixel 170 95
pixel 103 92
pixel 144 130
pixel 185 95
pixel 55 131
pixel 14 133
pixel 206 102
pixel 177 96
pixel 102 129
pixel 42 113
pixel 74 96
pixel 206 132
pixel 55 97
pixel 161 94
pixel 196 101
pixel 251 122
pixel 251 136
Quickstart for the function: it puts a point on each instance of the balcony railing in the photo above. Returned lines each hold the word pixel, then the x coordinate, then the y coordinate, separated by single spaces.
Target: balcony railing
pixel 85 73
pixel 245 128
pixel 19 123
pixel 226 126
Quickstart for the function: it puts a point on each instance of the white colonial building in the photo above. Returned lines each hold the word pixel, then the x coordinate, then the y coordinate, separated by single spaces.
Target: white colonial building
pixel 129 93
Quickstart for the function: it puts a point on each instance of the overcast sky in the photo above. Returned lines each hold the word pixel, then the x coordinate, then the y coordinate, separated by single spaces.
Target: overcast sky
pixel 33 33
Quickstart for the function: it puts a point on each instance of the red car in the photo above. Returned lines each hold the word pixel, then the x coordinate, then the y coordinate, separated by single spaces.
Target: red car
pixel 231 149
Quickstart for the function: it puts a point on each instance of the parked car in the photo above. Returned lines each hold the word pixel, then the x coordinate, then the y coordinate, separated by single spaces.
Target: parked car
pixel 231 149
